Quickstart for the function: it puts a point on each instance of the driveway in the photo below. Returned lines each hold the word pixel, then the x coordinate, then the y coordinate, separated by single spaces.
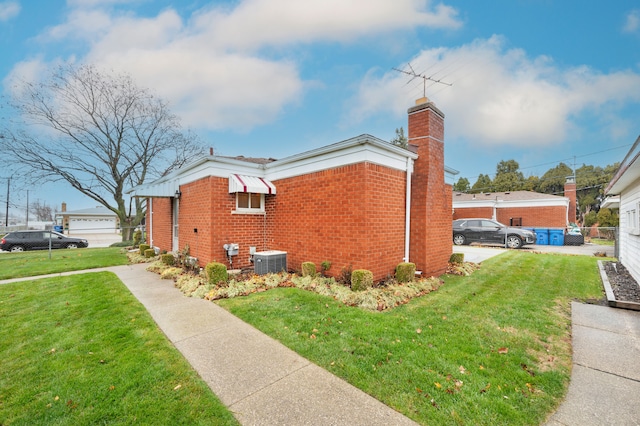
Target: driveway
pixel 477 253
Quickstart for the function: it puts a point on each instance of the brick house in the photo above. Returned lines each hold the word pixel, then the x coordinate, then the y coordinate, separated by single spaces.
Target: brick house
pixel 519 208
pixel 362 202
pixel 624 193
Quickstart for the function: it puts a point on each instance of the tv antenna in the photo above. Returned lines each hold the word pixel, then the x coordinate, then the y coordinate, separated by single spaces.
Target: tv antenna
pixel 424 78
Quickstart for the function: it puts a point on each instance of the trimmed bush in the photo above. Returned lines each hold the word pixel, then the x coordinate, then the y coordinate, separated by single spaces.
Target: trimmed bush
pixel 137 237
pixel 308 269
pixel 405 272
pixel 168 259
pixel 456 258
pixel 361 279
pixel 144 247
pixel 149 253
pixel 216 273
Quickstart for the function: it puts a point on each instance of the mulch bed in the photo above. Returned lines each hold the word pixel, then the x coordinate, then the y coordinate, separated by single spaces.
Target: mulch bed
pixel 624 286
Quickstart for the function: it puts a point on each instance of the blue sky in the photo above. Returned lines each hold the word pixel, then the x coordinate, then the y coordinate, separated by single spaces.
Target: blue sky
pixel 537 81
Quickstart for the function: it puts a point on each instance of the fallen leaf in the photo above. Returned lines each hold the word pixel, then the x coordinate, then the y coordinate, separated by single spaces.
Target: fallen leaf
pixel 177 387
pixel 315 330
pixel 112 387
pixel 313 336
pixel 418 330
pixel 444 317
pixel 462 369
pixel 438 385
pixel 486 388
pixel 56 398
pixel 503 350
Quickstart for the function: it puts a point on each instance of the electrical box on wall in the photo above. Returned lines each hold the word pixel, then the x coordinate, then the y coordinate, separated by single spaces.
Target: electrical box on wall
pixel 232 249
pixel 270 261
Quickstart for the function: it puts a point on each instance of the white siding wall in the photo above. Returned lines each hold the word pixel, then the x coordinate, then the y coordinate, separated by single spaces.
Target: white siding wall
pixel 630 232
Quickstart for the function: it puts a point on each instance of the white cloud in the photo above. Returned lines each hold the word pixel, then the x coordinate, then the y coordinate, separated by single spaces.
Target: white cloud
pixel 9 10
pixel 499 96
pixel 211 68
pixel 632 22
pixel 255 23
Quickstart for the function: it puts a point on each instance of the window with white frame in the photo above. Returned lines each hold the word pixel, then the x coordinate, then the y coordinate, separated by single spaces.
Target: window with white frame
pixel 249 202
pixel 632 220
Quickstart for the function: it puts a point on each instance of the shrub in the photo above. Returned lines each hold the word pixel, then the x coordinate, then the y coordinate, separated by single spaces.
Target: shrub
pixel 325 266
pixel 168 259
pixel 149 253
pixel 144 247
pixel 345 275
pixel 216 273
pixel 308 269
pixel 456 258
pixel 361 279
pixel 137 237
pixel 405 272
pixel 123 244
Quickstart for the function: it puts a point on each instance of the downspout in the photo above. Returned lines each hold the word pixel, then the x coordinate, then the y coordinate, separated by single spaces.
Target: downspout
pixel 150 230
pixel 407 215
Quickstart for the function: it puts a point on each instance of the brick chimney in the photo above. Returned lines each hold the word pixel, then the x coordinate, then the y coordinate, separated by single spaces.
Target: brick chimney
pixel 570 193
pixel 431 198
pixel 64 207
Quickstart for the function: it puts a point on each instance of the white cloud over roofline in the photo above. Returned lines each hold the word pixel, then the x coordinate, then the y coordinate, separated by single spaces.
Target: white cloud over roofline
pixel 209 66
pixel 499 96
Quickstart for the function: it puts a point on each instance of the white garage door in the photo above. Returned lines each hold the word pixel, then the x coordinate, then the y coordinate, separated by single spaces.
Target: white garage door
pixel 92 225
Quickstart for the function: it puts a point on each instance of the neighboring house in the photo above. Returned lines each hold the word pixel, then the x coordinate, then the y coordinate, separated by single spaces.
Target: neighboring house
pixel 519 208
pixel 361 203
pixel 624 192
pixel 97 220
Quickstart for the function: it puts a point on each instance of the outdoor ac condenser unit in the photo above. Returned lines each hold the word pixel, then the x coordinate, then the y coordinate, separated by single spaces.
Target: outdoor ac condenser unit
pixel 269 261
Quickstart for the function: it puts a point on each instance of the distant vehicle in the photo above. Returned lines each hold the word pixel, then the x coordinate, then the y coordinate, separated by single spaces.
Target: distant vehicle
pixel 39 240
pixel 487 231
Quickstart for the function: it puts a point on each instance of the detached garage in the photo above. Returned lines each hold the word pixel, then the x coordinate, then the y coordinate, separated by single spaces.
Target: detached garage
pixel 97 220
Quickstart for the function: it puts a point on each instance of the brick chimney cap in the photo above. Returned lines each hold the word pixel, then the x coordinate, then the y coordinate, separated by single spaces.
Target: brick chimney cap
pixel 428 105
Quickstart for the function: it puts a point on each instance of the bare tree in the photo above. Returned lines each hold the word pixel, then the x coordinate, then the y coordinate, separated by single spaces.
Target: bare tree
pixel 42 211
pixel 99 132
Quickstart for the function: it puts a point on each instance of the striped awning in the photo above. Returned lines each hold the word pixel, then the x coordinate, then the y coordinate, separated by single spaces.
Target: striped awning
pixel 256 185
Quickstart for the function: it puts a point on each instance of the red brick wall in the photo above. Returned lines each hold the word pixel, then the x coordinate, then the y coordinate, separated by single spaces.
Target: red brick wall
pixel 161 221
pixel 431 231
pixel 472 212
pixel 542 217
pixel 350 215
pixel 570 193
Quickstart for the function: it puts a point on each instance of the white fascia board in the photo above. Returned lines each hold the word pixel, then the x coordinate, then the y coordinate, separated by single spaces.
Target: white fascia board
pixel 561 202
pixel 473 204
pixel 357 150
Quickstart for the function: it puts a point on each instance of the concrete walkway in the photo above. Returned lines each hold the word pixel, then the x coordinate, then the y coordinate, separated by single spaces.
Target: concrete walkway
pixel 605 380
pixel 260 380
pixel 264 383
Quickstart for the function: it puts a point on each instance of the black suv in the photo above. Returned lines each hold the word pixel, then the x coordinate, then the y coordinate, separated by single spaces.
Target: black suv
pixel 39 240
pixel 467 231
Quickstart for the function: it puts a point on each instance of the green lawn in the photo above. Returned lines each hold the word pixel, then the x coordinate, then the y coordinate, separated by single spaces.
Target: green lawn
pixel 33 263
pixel 81 349
pixel 491 348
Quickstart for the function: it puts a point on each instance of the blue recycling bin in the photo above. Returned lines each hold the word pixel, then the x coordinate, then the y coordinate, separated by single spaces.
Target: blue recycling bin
pixel 556 237
pixel 57 228
pixel 542 236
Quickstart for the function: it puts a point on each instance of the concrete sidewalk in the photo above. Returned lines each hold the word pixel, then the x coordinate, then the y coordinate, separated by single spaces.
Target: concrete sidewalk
pixel 260 380
pixel 605 380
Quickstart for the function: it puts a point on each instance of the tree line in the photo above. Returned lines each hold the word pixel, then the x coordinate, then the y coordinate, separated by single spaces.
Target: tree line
pixel 590 184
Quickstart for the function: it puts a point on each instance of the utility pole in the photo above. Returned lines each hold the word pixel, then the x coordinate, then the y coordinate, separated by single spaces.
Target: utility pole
pixel 6 218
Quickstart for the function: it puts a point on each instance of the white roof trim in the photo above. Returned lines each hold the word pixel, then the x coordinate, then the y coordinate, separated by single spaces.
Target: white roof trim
pixel 244 183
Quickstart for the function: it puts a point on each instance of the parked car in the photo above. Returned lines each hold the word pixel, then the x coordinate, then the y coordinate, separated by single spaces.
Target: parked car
pixel 39 240
pixel 467 231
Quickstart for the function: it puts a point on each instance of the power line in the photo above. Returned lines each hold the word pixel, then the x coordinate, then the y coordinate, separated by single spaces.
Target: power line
pixel 557 161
